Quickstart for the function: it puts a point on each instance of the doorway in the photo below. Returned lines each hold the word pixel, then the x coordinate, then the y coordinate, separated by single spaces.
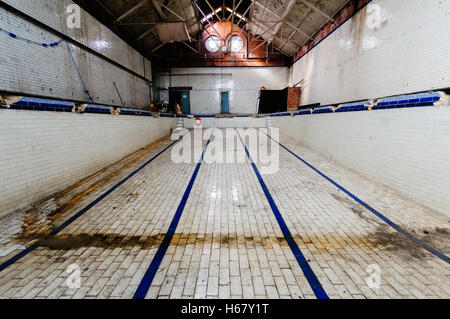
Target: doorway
pixel 181 97
pixel 224 102
pixel 273 101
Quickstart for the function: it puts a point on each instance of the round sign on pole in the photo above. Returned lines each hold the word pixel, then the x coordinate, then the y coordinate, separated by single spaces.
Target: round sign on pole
pixel 198 122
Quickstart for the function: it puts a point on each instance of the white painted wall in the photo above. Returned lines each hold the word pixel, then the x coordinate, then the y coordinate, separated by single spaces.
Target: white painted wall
pixel 44 152
pixel 31 69
pixel 406 149
pixel 242 122
pixel 409 52
pixel 243 84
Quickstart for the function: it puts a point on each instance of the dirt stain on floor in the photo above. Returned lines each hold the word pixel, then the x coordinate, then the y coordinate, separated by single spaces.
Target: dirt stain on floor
pixel 76 241
pixel 70 242
pixel 382 239
pixel 438 238
pixel 357 209
pixel 40 219
pixel 387 238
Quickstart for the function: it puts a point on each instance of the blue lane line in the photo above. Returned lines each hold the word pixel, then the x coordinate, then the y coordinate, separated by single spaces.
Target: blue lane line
pixel 313 281
pixel 371 209
pixel 147 280
pixel 29 249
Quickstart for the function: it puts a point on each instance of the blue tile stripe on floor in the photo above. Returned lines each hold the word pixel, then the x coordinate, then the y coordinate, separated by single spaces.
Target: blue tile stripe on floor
pixel 370 208
pixel 149 275
pixel 313 281
pixel 31 248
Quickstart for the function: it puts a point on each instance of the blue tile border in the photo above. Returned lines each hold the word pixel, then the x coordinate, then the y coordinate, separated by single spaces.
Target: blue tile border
pixel 323 110
pixel 405 101
pixel 281 114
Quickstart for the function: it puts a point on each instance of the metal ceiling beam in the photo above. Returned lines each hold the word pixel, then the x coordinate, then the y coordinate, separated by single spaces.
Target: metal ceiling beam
pixel 137 23
pixel 284 15
pixel 190 47
pixel 268 21
pixel 105 7
pixel 131 11
pixel 285 20
pixel 143 35
pixel 209 22
pixel 185 15
pixel 268 29
pixel 291 35
pixel 250 21
pixel 280 50
pixel 157 6
pixel 233 13
pixel 275 37
pixel 213 10
pixel 242 17
pixel 158 47
pixel 130 42
pixel 295 31
pixel 197 17
pixel 261 35
pixel 318 10
pixel 323 24
pixel 280 24
pixel 257 47
pixel 170 10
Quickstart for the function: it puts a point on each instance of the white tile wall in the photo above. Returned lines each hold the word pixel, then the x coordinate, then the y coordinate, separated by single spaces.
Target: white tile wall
pixel 243 84
pixel 92 33
pixel 31 69
pixel 409 52
pixel 44 152
pixel 406 149
pixel 244 122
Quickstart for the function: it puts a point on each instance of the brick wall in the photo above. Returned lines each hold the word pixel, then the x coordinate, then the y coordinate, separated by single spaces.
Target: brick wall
pixel 294 94
pixel 45 152
pixel 263 55
pixel 406 149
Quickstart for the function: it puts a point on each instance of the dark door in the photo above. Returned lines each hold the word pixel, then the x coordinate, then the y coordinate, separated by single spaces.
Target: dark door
pixel 273 101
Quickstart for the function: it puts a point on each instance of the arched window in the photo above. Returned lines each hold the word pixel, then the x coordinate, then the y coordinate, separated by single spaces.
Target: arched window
pixel 213 44
pixel 236 43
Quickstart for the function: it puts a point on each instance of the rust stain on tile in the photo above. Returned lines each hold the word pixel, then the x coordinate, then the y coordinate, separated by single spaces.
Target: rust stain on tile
pixel 382 239
pixel 69 242
pixel 39 220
